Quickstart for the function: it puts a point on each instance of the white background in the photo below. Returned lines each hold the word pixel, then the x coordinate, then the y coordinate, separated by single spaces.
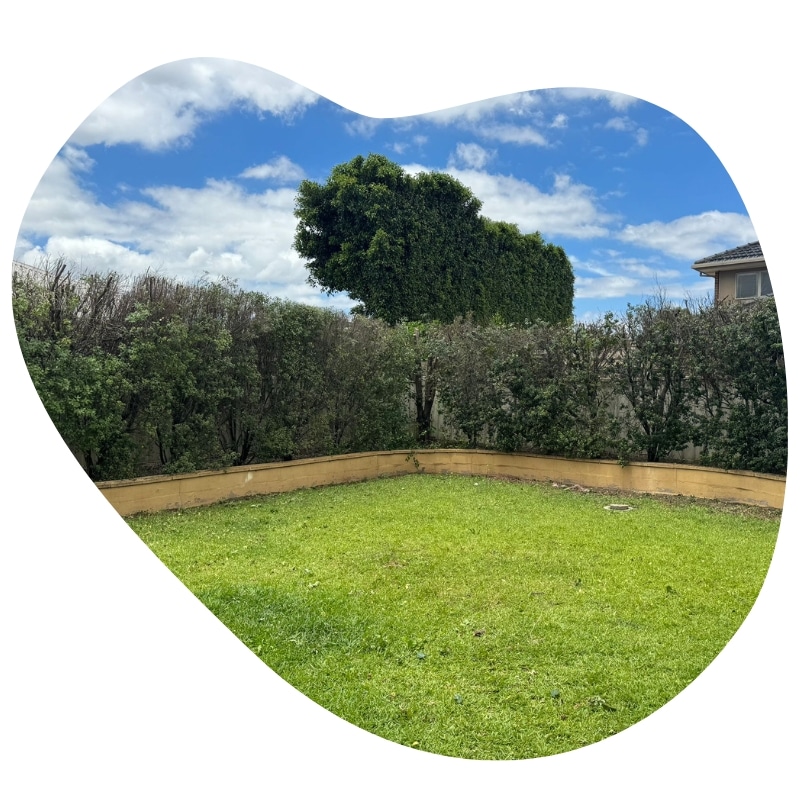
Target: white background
pixel 116 682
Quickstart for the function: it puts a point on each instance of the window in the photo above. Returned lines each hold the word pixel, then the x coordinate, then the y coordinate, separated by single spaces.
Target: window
pixel 753 284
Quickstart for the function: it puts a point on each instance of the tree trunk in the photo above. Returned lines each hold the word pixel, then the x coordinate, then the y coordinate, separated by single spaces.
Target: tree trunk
pixel 424 396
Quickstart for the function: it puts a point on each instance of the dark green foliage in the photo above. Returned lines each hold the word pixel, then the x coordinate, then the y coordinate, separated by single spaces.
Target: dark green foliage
pixel 647 384
pixel 157 376
pixel 416 248
pixel 81 386
pixel 522 278
pixel 656 376
pixel 151 375
pixel 178 372
pixel 365 385
pixel 546 389
pixel 560 392
pixel 742 418
pixel 470 357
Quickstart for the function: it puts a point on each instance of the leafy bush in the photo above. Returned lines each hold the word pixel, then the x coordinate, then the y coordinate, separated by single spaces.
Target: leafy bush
pixel 149 374
pixel 742 419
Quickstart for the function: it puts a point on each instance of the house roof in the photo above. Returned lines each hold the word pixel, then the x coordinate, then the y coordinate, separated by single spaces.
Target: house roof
pixel 747 252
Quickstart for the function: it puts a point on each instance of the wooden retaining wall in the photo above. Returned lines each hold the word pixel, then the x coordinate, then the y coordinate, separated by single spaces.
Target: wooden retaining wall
pixel 203 488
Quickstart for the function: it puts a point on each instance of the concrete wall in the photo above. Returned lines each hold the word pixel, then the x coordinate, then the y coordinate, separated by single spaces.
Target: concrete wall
pixel 203 488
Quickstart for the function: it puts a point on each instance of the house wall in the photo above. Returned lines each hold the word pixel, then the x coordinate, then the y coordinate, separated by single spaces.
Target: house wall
pixel 726 281
pixel 727 285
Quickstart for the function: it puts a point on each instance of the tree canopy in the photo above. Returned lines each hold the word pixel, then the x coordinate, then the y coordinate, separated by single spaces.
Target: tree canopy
pixel 416 247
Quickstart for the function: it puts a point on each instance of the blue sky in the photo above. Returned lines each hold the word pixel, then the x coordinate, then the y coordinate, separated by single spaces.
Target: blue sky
pixel 192 168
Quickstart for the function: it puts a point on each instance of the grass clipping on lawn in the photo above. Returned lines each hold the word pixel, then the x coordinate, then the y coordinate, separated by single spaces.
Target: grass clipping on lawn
pixel 470 617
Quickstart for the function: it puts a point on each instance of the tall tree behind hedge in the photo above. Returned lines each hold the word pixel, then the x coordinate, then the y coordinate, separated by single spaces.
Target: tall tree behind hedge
pixel 521 279
pixel 416 248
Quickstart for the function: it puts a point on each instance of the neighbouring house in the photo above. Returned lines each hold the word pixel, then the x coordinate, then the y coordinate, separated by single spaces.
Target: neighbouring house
pixel 20 268
pixel 739 273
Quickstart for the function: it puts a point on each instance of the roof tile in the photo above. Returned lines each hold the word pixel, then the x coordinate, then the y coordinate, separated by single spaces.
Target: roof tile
pixel 752 250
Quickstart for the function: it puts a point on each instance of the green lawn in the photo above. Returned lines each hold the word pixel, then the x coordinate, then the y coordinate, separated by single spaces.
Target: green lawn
pixel 472 617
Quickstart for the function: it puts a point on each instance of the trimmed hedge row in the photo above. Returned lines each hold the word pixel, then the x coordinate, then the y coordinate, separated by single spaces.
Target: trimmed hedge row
pixel 149 375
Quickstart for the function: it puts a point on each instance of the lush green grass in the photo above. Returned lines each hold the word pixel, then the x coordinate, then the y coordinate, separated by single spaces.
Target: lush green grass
pixel 471 617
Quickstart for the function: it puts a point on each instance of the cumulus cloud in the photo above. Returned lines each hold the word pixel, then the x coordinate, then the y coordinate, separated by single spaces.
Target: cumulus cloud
pixel 522 118
pixel 471 156
pixel 609 275
pixel 93 253
pixel 519 104
pixel 627 125
pixel 692 237
pixel 61 207
pixel 618 124
pixel 568 209
pixel 650 272
pixel 219 229
pixel 616 100
pixel 526 105
pixel 503 119
pixel 511 134
pixel 280 169
pixel 364 127
pixel 165 105
pixel 612 285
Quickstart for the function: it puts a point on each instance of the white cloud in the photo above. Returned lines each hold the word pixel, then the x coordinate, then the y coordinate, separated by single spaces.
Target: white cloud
pixel 526 105
pixel 618 124
pixel 609 275
pixel 165 105
pixel 362 126
pixel 281 169
pixel 89 252
pixel 519 104
pixel 219 229
pixel 511 134
pixel 613 285
pixel 61 207
pixel 617 101
pixel 649 271
pixel 692 237
pixel 480 118
pixel 520 118
pixel 627 125
pixel 471 156
pixel 569 209
pixel 401 147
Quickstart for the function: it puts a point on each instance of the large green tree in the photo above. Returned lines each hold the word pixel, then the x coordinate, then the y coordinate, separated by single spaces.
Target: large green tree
pixel 415 247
